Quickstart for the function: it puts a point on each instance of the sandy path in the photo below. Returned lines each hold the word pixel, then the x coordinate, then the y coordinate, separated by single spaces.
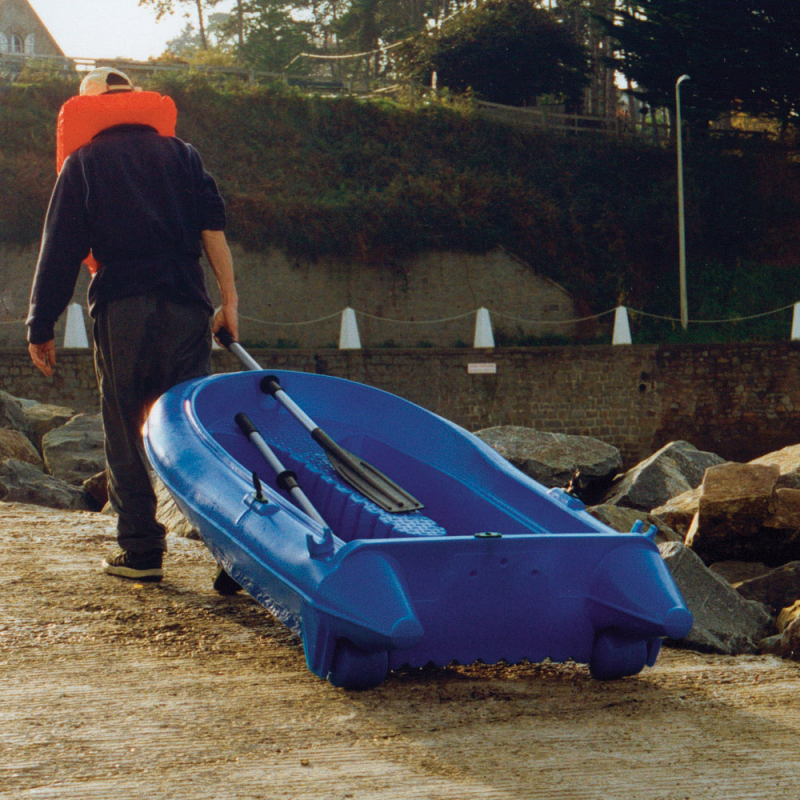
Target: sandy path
pixel 109 689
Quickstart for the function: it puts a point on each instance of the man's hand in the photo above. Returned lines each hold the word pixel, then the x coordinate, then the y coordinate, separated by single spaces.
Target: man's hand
pixel 44 356
pixel 226 317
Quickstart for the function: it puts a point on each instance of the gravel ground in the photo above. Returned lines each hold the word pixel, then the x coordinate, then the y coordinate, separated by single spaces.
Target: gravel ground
pixel 112 689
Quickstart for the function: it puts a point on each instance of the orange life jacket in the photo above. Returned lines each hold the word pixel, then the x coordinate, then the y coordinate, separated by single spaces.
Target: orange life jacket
pixel 81 118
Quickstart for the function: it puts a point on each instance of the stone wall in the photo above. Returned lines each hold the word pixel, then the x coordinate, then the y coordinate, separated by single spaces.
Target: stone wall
pixel 300 302
pixel 739 401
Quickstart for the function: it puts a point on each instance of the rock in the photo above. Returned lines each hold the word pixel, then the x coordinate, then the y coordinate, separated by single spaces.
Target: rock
pixel 787 460
pixel 12 414
pixel 787 643
pixel 777 588
pixel 679 512
pixel 787 616
pixel 43 418
pixel 97 489
pixel 16 445
pixel 785 510
pixel 738 571
pixel 552 458
pixel 170 516
pixel 622 520
pixel 74 452
pixel 21 482
pixel 674 469
pixel 724 621
pixel 738 514
pixel 26 403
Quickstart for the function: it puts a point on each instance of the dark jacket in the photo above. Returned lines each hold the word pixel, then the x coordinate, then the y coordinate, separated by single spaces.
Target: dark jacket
pixel 139 201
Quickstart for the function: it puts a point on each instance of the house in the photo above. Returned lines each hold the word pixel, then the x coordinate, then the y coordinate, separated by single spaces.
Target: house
pixel 23 33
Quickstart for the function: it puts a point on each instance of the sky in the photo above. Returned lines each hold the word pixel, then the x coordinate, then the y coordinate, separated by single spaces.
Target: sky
pixel 112 28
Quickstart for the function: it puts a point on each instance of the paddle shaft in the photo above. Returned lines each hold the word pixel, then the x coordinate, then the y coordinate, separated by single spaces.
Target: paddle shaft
pixel 360 474
pixel 286 479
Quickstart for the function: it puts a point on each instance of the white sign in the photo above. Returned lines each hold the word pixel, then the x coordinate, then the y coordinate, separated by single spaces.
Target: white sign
pixel 481 369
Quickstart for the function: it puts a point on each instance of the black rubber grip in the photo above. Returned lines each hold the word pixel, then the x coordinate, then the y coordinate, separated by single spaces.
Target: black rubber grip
pixel 224 335
pixel 286 480
pixel 270 384
pixel 245 424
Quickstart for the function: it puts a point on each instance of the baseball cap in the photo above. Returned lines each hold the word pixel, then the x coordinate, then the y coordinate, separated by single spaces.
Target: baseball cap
pixel 105 79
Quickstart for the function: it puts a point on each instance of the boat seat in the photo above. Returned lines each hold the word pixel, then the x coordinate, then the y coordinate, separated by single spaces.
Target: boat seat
pixel 350 515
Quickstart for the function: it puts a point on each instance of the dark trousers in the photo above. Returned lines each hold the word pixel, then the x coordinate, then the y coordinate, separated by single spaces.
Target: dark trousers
pixel 143 345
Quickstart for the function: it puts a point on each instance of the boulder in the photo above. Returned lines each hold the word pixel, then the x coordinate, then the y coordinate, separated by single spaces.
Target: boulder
pixel 43 418
pixel 679 511
pixel 16 445
pixel 776 589
pixel 741 516
pixel 787 616
pixel 738 571
pixel 74 452
pixel 553 458
pixel 622 520
pixel 787 460
pixel 675 468
pixel 21 482
pixel 12 413
pixel 170 516
pixel 786 644
pixel 97 489
pixel 724 621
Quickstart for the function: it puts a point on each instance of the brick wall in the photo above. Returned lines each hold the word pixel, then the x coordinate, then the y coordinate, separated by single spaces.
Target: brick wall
pixel 739 401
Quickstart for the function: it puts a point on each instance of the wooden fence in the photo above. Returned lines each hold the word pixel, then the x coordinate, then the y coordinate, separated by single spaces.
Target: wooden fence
pixel 530 118
pixel 573 123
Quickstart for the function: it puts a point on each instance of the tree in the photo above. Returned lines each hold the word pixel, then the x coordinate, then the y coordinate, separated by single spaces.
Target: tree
pixel 507 51
pixel 584 18
pixel 163 7
pixel 743 54
pixel 272 35
pixel 187 46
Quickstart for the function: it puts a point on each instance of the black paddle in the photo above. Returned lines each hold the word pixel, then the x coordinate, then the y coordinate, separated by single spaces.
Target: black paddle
pixel 360 474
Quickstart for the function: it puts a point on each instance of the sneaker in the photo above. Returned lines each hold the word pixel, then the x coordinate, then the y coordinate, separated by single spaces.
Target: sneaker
pixel 139 567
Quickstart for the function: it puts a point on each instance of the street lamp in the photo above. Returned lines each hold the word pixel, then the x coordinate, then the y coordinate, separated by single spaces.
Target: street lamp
pixel 681 220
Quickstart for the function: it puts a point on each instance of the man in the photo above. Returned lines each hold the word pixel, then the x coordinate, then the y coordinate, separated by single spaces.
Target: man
pixel 143 204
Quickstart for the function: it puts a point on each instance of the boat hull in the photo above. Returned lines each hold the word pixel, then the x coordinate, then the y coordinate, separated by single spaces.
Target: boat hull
pixel 494 568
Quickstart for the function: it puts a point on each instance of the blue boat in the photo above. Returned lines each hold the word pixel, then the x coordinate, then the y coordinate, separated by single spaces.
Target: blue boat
pixel 488 566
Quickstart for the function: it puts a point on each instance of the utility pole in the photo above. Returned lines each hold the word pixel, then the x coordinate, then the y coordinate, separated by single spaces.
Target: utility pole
pixel 681 218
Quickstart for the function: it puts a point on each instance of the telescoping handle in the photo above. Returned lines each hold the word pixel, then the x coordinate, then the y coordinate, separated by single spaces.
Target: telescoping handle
pixel 225 338
pixel 359 473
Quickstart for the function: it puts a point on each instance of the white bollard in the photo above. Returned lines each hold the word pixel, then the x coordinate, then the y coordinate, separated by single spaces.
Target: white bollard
pixel 484 336
pixel 348 333
pixel 622 328
pixel 75 334
pixel 796 322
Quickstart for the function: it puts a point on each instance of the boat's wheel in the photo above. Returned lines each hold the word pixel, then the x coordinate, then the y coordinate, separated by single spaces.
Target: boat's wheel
pixel 354 668
pixel 615 656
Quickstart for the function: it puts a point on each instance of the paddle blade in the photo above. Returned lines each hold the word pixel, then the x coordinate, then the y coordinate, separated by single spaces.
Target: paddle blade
pixel 365 478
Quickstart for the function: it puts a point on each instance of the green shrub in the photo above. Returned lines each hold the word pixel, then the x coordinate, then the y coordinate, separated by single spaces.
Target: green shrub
pixel 372 182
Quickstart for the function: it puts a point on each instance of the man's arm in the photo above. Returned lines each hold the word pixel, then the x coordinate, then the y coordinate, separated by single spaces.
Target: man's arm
pixel 221 261
pixel 65 243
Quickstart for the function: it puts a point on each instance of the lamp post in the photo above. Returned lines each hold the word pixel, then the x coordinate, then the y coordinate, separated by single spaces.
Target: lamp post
pixel 681 220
